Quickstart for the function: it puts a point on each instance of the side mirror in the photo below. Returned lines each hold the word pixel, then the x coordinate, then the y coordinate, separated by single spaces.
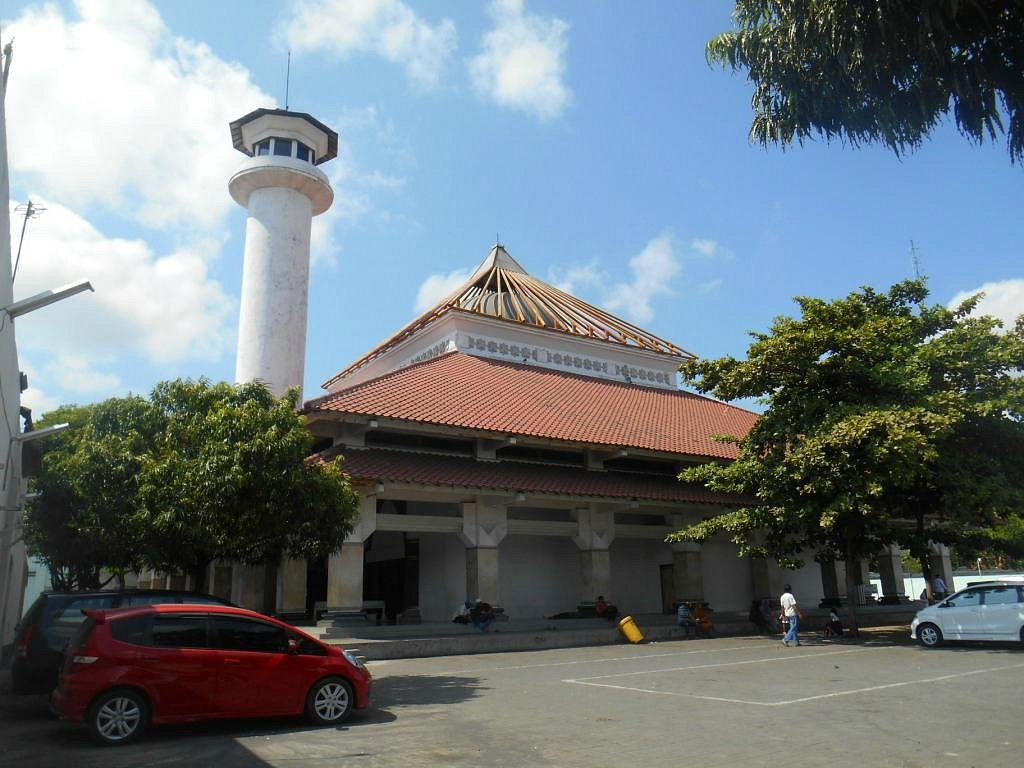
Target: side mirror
pixel 293 646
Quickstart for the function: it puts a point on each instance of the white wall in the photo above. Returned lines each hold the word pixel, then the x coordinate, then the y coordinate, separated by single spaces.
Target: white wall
pixel 442 575
pixel 727 584
pixel 636 574
pixel 540 576
pixel 806 582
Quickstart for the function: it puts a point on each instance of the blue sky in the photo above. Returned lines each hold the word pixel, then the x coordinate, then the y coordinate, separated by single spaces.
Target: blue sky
pixel 594 138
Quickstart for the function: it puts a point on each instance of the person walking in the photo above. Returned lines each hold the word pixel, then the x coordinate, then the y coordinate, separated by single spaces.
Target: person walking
pixel 791 613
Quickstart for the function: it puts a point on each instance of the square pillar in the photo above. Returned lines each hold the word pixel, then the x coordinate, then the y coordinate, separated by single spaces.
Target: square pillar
pixel 833 583
pixel 482 574
pixel 764 579
pixel 595 574
pixel 938 554
pixel 688 571
pixel 220 580
pixel 345 578
pixel 484 526
pixel 890 570
pixel 345 567
pixel 247 586
pixel 595 532
pixel 291 589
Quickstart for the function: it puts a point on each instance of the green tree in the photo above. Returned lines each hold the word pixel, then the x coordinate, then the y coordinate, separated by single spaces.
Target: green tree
pixel 229 480
pixel 886 421
pixel 886 71
pixel 197 473
pixel 86 516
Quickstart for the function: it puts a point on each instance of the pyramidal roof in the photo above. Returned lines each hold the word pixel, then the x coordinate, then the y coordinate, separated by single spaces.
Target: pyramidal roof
pixel 500 288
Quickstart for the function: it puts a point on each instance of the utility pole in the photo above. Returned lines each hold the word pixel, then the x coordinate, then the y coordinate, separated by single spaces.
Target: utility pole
pixel 13 558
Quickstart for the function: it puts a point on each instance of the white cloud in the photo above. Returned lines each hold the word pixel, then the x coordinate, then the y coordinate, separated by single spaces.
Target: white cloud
pixel 437 286
pixel 577 277
pixel 75 374
pixel 653 270
pixel 1003 299
pixel 164 307
pixel 133 118
pixel 386 28
pixel 357 191
pixel 522 61
pixel 710 248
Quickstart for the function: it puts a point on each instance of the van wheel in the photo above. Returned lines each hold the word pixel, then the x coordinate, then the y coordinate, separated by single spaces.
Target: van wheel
pixel 329 701
pixel 117 717
pixel 929 635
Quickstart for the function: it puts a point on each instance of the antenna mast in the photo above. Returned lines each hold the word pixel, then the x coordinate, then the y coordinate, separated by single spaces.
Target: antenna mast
pixel 915 260
pixel 287 80
pixel 31 211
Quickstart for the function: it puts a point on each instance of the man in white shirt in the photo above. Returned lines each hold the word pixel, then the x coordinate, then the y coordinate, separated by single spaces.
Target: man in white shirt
pixel 938 588
pixel 791 611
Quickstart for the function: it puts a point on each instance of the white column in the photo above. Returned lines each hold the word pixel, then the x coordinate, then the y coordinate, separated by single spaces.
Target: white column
pixel 484 526
pixel 595 533
pixel 275 282
pixel 345 567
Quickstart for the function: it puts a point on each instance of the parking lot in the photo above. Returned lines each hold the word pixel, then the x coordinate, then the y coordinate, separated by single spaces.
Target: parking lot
pixel 878 701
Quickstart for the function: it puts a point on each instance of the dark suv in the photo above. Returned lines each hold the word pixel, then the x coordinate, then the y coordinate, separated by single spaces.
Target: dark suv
pixel 55 616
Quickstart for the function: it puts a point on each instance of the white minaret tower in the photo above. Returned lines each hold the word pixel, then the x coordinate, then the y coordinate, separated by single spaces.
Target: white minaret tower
pixel 283 190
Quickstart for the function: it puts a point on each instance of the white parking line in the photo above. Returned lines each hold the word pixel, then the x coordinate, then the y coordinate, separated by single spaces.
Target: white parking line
pixel 870 689
pixel 787 657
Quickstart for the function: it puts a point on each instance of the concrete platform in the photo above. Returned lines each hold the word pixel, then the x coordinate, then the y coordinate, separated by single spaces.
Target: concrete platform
pixel 446 639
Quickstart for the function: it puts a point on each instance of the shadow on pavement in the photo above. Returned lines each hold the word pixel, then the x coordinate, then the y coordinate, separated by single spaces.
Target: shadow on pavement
pixel 421 690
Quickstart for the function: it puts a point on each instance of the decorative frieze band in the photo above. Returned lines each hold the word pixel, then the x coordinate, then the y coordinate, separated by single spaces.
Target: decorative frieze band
pixel 523 353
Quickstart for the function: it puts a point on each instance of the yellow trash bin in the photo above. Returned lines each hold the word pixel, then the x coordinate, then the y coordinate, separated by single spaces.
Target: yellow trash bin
pixel 630 630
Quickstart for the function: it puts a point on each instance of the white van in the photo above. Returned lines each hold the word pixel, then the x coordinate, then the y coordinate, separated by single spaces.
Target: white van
pixel 990 610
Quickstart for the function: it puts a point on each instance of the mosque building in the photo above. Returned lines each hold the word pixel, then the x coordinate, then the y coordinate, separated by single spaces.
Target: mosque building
pixel 514 443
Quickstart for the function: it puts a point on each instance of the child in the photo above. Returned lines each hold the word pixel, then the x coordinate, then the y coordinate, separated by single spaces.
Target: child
pixel 834 628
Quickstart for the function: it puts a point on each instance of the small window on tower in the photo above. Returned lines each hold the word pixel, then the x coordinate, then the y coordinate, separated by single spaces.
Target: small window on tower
pixel 302 152
pixel 263 148
pixel 283 147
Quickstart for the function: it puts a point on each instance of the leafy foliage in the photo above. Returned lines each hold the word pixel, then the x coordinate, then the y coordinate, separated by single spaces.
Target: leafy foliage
pixel 887 421
pixel 885 71
pixel 86 516
pixel 198 472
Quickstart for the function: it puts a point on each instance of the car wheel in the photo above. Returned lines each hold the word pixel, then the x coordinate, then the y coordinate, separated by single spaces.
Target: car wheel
pixel 117 717
pixel 929 635
pixel 330 701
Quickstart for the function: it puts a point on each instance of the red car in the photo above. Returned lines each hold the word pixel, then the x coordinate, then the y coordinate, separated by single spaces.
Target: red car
pixel 130 667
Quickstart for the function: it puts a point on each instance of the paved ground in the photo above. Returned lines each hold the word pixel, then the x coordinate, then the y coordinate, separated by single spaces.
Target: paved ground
pixel 721 702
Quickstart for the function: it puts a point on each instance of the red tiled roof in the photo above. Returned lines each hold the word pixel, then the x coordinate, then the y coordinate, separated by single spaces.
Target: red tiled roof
pixel 460 390
pixel 379 465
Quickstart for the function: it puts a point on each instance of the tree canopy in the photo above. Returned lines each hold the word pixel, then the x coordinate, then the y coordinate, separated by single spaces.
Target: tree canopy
pixel 198 472
pixel 887 420
pixel 886 71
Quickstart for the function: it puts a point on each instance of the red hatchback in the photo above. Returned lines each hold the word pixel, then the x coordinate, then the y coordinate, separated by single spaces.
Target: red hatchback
pixel 131 667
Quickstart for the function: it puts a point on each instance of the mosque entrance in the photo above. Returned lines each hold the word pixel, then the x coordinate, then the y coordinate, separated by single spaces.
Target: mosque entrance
pixel 391 574
pixel 316 585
